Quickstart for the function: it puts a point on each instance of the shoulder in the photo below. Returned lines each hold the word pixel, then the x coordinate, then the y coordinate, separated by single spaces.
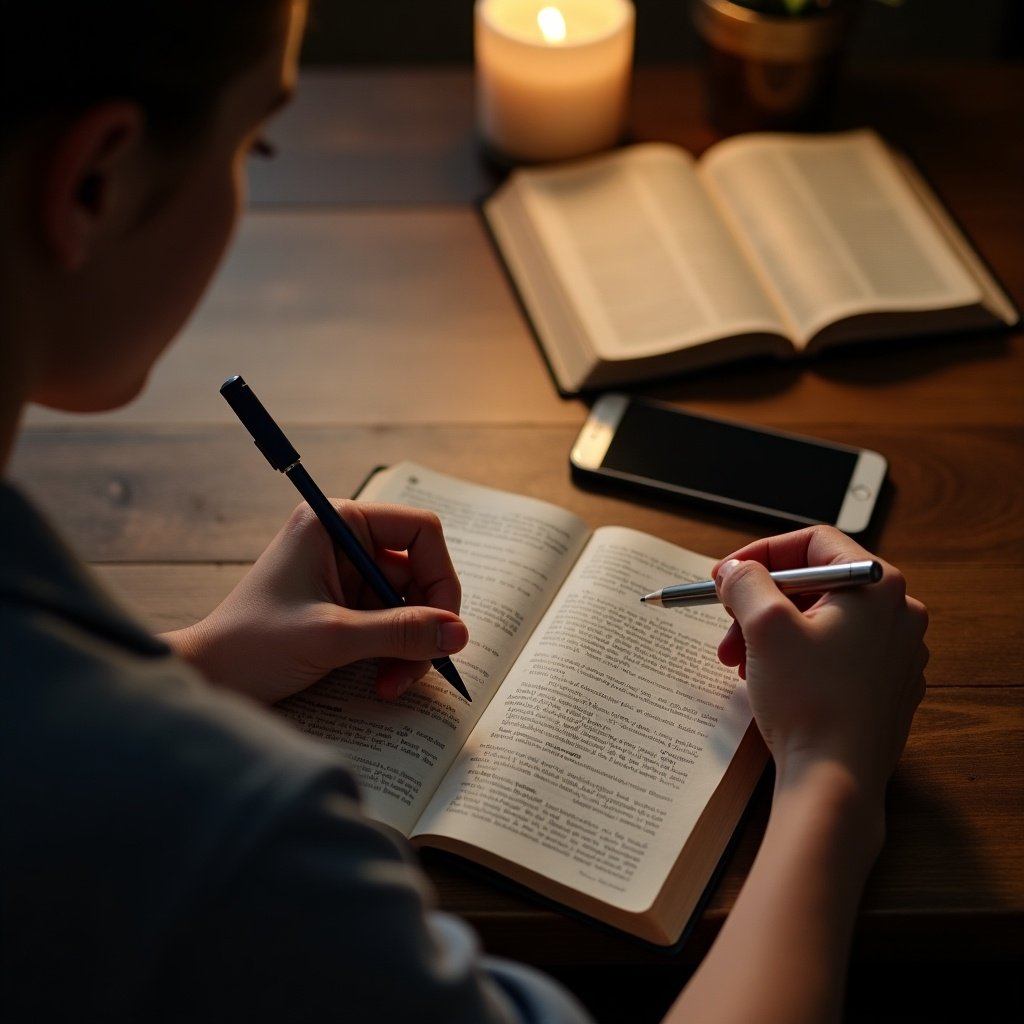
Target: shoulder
pixel 87 685
pixel 122 771
pixel 184 854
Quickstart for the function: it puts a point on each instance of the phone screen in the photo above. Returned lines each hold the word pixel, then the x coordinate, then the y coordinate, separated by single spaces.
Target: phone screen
pixel 722 460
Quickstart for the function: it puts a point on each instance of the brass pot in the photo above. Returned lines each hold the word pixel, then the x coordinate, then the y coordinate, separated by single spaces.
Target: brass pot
pixel 767 72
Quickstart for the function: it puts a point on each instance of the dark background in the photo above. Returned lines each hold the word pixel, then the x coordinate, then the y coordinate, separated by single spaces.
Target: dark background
pixel 441 31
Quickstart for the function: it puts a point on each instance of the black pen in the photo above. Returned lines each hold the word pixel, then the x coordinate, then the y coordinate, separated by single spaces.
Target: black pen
pixel 278 450
pixel 814 579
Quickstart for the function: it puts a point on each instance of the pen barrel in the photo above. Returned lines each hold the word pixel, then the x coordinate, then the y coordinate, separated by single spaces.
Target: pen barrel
pixel 349 544
pixel 816 579
pixel 280 453
pixel 819 578
pixel 266 434
pixel 343 536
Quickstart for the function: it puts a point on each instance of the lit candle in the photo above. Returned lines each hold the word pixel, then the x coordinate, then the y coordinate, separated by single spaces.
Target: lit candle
pixel 552 76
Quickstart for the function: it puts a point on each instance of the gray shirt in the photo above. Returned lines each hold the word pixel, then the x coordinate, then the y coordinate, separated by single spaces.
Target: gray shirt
pixel 171 852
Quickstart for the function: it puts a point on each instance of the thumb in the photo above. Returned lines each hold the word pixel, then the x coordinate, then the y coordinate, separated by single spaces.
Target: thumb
pixel 748 592
pixel 411 633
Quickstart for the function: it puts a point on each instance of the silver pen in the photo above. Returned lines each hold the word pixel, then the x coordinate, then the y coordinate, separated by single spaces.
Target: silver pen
pixel 815 579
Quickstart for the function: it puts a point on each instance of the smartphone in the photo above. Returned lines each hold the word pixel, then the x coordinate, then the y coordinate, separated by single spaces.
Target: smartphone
pixel 659 449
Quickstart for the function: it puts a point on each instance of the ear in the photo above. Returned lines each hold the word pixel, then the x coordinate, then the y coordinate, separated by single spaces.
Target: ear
pixel 88 173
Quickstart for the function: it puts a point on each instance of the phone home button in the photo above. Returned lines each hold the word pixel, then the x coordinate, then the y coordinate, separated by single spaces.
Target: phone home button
pixel 861 492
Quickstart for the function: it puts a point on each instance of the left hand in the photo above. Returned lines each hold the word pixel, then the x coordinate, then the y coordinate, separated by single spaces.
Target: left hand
pixel 303 610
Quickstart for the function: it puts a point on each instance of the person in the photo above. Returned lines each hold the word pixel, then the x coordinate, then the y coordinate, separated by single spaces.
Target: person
pixel 169 849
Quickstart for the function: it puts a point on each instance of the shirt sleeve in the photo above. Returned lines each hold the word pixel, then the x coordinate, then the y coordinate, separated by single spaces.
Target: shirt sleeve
pixel 327 917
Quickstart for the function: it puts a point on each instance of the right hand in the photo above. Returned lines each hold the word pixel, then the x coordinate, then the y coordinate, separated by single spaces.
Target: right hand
pixel 836 679
pixel 303 610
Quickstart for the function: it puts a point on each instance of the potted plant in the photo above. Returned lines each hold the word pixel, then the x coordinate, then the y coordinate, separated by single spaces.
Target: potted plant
pixel 772 64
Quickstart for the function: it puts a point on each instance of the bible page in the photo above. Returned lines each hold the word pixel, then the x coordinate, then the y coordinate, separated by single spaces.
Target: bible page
pixel 645 258
pixel 511 553
pixel 611 732
pixel 834 228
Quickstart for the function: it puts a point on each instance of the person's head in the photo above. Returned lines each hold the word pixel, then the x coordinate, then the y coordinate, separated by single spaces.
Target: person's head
pixel 124 126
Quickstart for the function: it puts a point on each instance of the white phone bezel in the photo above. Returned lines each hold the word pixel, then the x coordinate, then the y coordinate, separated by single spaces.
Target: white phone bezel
pixel 596 435
pixel 862 491
pixel 858 505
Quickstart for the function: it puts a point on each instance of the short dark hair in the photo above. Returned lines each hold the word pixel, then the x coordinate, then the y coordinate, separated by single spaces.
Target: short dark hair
pixel 173 57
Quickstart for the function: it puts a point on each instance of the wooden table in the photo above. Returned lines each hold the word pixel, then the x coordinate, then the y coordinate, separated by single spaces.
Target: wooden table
pixel 364 303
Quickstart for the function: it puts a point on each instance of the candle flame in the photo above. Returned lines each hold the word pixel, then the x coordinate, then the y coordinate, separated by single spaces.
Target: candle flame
pixel 552 24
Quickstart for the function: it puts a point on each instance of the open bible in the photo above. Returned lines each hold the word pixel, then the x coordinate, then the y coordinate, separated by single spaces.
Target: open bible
pixel 607 756
pixel 645 261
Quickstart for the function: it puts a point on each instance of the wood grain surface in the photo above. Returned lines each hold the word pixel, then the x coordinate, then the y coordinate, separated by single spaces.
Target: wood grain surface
pixel 366 306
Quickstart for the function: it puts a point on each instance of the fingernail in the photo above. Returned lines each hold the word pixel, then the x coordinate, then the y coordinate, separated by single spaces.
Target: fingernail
pixel 452 636
pixel 726 568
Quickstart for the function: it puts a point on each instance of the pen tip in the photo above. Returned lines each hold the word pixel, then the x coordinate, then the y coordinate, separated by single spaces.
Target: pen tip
pixel 451 673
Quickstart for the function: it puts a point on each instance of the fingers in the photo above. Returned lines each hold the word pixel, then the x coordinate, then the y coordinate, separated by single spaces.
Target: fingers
pixel 412 633
pixel 405 640
pixel 408 639
pixel 732 650
pixel 408 545
pixel 814 545
pixel 746 591
pixel 394 677
pixel 333 617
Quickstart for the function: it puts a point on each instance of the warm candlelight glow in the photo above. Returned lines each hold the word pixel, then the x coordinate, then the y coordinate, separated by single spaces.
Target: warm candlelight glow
pixel 553 76
pixel 551 24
